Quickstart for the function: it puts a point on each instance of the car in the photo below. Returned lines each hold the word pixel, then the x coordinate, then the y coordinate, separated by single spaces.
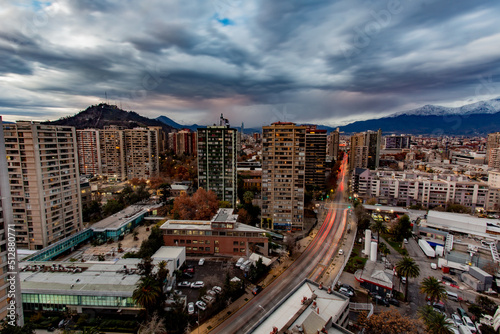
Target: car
pixel 403 279
pixel 381 301
pixel 469 324
pixel 456 319
pixel 449 280
pixel 201 305
pixel 341 252
pixel 433 266
pixel 187 275
pixel 201 262
pixel 256 290
pixel 347 286
pixel 217 289
pixel 191 308
pixel 439 306
pixel 189 270
pixel 461 312
pixel 393 301
pixel 184 284
pixel 405 240
pixel 197 285
pixel 346 292
pixel 211 293
pixel 208 299
pixel 240 262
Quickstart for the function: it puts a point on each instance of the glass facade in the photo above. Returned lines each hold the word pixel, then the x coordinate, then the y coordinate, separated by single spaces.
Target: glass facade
pixel 36 301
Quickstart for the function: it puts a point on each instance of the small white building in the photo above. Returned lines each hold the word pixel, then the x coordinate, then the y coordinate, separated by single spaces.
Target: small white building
pixel 174 256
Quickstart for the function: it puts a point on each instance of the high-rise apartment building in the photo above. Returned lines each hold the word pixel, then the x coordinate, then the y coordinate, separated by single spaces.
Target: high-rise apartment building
pixel 333 144
pixel 89 159
pixel 10 299
pixel 118 153
pixel 315 158
pixel 44 182
pixel 112 153
pixel 365 150
pixel 141 153
pixel 492 150
pixel 183 142
pixel 217 157
pixel 283 175
pixel 397 142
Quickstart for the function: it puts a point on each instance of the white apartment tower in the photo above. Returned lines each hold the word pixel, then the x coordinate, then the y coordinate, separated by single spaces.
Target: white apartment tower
pixel 44 182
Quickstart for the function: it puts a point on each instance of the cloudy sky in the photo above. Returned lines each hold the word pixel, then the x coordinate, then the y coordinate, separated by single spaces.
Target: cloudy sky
pixel 256 61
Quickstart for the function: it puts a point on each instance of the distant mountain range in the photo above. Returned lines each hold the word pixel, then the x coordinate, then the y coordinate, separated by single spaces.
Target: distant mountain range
pixel 101 115
pixel 473 119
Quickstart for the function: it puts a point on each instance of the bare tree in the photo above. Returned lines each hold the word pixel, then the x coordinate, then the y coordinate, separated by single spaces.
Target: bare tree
pixel 153 326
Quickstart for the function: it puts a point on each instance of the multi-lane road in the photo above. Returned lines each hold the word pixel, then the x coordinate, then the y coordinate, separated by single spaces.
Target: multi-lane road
pixel 311 264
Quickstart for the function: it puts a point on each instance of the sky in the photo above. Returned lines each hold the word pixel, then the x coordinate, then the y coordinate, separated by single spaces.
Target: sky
pixel 311 61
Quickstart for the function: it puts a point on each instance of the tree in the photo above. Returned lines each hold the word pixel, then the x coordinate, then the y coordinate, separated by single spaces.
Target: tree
pixel 244 217
pixel 155 325
pixel 435 322
pixel 486 304
pixel 407 267
pixel 165 191
pixel 224 204
pixel 147 294
pixel 5 328
pixel 403 228
pixel 137 182
pixel 379 227
pixel 371 201
pixel 162 272
pixel 433 289
pixel 146 267
pixel 248 197
pixel 112 207
pixel 388 322
pixel 201 206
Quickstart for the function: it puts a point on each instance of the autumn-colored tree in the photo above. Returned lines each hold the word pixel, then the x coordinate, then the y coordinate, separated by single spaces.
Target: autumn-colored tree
pixel 371 201
pixel 201 206
pixel 156 182
pixel 388 322
pixel 244 217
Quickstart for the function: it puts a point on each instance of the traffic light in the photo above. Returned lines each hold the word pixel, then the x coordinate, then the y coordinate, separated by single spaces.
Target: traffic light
pixel 349 207
pixel 350 197
pixel 327 196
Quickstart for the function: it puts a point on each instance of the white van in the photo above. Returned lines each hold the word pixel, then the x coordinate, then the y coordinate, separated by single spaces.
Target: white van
pixel 240 262
pixel 452 296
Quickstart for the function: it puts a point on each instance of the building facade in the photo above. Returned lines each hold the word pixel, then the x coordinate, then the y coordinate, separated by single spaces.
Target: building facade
pixel 365 150
pixel 333 144
pixel 315 158
pixel 397 142
pixel 222 235
pixel 112 153
pixel 142 153
pixel 89 159
pixel 492 145
pixel 10 299
pixel 183 142
pixel 45 184
pixel 217 156
pixel 283 175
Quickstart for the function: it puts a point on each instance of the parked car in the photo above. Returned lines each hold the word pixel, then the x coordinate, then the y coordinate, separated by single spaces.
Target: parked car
pixel 240 262
pixel 469 324
pixel 211 293
pixel 197 285
pixel 449 280
pixel 393 301
pixel 341 251
pixel 381 301
pixel 191 308
pixel 434 266
pixel 201 305
pixel 256 290
pixel 201 262
pixel 461 312
pixel 456 319
pixel 347 286
pixel 403 279
pixel 346 292
pixel 208 299
pixel 184 284
pixel 189 270
pixel 187 275
pixel 217 289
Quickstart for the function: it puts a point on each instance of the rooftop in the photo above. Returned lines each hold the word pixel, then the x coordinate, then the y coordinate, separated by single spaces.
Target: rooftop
pixel 121 218
pixel 225 216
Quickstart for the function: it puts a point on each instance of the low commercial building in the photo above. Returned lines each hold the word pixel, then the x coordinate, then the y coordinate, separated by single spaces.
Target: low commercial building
pixel 222 235
pixel 376 278
pixel 307 309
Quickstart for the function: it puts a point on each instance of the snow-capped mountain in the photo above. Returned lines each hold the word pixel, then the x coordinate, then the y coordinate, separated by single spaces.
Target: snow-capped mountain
pixel 481 107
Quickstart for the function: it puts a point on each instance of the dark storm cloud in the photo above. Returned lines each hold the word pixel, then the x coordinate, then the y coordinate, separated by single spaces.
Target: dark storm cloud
pixel 307 61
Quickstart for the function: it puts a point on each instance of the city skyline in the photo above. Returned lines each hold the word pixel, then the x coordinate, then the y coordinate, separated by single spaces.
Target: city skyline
pixel 256 62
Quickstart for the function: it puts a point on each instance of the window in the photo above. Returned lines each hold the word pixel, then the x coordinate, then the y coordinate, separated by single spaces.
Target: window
pixel 216 249
pixel 242 250
pixel 235 250
pixel 207 249
pixel 235 243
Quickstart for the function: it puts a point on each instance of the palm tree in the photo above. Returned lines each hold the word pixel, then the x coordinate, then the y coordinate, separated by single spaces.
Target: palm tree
pixel 407 268
pixel 433 289
pixel 162 272
pixel 379 227
pixel 435 322
pixel 147 293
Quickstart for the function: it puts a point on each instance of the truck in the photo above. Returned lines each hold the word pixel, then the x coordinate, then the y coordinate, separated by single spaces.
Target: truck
pixel 426 248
